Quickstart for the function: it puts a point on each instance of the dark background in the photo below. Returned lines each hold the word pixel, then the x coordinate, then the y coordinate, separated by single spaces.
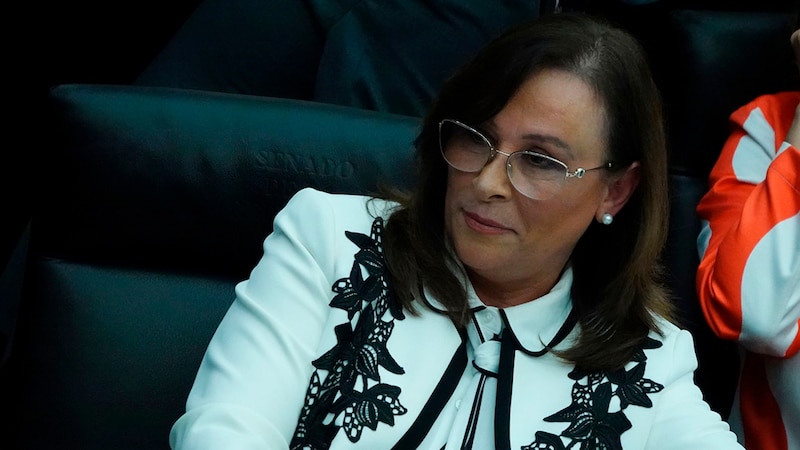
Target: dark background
pixel 67 42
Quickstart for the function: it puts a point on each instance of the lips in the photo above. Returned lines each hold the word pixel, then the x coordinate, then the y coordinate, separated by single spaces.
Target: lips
pixel 484 225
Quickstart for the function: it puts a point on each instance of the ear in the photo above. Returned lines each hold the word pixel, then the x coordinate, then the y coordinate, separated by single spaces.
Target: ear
pixel 619 190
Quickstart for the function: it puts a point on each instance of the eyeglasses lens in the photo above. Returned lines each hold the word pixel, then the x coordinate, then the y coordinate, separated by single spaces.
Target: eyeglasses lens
pixel 534 175
pixel 463 148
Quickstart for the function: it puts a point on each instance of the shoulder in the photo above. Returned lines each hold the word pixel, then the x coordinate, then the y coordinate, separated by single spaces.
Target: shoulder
pixel 309 197
pixel 310 203
pixel 671 350
pixel 779 104
pixel 668 332
pixel 319 219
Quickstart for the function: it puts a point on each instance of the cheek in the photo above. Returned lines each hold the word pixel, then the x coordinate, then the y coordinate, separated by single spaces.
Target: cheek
pixel 457 184
pixel 571 209
pixel 450 197
pixel 457 180
pixel 554 227
pixel 587 193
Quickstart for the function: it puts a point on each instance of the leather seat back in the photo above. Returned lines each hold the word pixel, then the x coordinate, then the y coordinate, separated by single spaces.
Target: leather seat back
pixel 156 205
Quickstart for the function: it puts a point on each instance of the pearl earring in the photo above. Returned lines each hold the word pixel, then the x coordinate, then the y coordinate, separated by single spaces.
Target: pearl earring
pixel 607 219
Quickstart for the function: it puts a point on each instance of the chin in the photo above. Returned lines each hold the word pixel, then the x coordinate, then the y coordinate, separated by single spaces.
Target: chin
pixel 476 255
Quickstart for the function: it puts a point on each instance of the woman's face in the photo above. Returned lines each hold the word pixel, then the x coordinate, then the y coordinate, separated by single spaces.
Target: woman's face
pixel 795 38
pixel 502 236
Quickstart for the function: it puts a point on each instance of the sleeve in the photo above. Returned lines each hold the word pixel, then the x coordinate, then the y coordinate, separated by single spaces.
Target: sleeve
pixel 748 280
pixel 683 420
pixel 251 384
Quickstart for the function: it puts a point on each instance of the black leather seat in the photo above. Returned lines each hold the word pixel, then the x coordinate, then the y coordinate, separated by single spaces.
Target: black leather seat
pixel 157 204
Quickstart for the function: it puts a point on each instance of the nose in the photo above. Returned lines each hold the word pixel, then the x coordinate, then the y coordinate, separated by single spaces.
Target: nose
pixel 492 181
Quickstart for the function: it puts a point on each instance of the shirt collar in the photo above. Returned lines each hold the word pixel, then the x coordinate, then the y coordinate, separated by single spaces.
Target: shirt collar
pixel 533 323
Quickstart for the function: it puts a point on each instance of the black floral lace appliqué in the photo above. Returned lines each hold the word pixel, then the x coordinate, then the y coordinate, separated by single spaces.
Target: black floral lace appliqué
pixel 594 424
pixel 345 390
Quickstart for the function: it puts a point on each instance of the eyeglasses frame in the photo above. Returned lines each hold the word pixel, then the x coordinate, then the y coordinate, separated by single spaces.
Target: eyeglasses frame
pixel 577 173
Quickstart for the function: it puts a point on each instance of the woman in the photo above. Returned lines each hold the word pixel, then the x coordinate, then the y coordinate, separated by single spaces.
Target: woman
pixel 747 281
pixel 511 301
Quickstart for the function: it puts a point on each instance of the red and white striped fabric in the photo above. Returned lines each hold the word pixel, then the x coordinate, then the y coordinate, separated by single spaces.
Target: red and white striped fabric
pixel 749 276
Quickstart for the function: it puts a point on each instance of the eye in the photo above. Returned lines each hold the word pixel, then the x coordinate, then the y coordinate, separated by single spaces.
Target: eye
pixel 468 140
pixel 476 139
pixel 531 161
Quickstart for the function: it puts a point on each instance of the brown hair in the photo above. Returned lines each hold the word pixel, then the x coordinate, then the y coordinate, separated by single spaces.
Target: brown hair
pixel 616 268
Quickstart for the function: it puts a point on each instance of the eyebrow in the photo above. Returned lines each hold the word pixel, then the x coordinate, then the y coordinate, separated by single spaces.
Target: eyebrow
pixel 536 137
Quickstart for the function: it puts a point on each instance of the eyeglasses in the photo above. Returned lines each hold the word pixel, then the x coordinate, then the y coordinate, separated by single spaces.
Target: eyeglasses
pixel 534 175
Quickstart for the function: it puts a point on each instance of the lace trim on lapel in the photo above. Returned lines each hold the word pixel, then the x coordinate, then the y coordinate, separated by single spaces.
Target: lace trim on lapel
pixel 346 386
pixel 593 423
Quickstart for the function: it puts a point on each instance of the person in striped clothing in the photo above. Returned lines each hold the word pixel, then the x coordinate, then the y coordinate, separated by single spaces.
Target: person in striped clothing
pixel 749 275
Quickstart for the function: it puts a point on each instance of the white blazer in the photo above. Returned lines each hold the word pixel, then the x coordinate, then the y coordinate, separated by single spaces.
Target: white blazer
pixel 315 353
